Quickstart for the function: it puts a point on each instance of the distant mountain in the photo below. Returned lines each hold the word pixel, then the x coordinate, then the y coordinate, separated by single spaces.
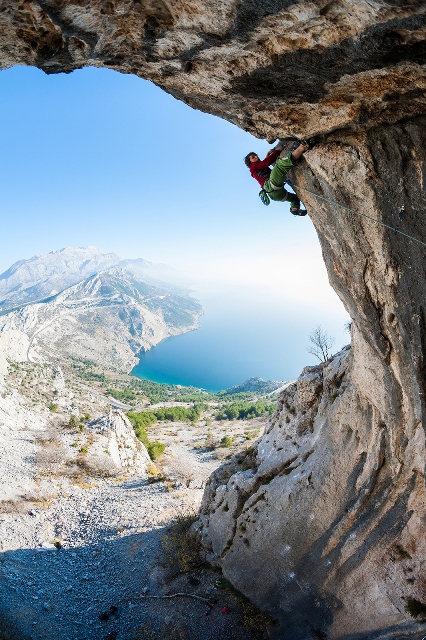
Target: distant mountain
pixel 256 385
pixel 46 275
pixel 107 318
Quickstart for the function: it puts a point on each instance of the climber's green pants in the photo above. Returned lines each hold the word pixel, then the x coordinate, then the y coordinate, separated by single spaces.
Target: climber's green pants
pixel 274 187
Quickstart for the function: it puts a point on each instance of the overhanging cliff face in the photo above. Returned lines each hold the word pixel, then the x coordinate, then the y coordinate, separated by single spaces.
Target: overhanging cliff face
pixel 322 524
pixel 272 67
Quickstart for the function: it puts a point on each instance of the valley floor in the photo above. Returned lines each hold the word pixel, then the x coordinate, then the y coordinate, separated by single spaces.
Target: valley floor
pixel 111 534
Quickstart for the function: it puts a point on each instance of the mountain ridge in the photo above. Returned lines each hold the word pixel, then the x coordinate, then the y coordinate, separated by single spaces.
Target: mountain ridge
pixel 106 318
pixel 44 275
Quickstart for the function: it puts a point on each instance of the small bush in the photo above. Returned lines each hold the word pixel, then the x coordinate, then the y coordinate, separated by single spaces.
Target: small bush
pixel 252 618
pixel 210 441
pixel 226 441
pixel 181 547
pixel 249 435
pixel 73 422
pixel 155 449
pixel 152 470
pixel 52 407
pixel 85 417
pixel 140 421
pixel 84 450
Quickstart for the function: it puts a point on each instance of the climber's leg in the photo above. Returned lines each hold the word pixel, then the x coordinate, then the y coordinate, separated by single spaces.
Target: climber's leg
pixel 280 171
pixel 283 166
pixel 282 195
pixel 293 200
pixel 278 194
pixel 295 205
pixel 275 185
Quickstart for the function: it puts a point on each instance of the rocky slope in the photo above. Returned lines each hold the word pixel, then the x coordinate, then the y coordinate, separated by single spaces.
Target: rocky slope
pixel 319 523
pixel 354 73
pixel 87 520
pixel 43 450
pixel 107 319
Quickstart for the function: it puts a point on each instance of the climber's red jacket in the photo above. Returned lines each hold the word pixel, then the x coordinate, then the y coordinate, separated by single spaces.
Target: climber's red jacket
pixel 260 169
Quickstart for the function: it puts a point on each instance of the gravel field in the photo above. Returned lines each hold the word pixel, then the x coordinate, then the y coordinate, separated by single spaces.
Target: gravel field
pixel 110 533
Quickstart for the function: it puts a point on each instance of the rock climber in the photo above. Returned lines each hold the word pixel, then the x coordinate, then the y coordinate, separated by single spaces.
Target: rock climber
pixel 273 180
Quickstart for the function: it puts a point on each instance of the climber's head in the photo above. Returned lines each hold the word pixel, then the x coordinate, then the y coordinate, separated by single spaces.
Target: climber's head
pixel 251 157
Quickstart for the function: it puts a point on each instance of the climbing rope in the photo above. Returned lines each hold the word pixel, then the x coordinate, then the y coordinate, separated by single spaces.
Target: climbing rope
pixel 364 215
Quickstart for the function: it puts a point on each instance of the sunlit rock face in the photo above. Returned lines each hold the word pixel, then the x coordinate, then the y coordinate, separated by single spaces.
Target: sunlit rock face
pixel 322 524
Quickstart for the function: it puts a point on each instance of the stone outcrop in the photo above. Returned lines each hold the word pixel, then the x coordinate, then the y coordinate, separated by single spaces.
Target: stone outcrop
pixel 320 523
pixel 323 523
pixel 367 488
pixel 118 441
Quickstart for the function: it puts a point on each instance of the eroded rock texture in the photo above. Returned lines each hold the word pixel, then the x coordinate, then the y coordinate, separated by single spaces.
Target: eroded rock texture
pixel 272 67
pixel 323 523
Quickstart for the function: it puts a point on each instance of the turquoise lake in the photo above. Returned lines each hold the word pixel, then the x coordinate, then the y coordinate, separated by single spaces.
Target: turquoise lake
pixel 240 336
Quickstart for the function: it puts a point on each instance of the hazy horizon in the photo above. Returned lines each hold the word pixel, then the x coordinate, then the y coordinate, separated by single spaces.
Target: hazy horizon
pixel 109 160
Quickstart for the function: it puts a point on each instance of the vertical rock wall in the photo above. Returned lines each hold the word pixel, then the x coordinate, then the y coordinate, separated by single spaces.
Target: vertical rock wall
pixel 324 528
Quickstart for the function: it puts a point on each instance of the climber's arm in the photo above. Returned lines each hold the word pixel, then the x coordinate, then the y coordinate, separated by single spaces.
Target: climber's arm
pixel 270 159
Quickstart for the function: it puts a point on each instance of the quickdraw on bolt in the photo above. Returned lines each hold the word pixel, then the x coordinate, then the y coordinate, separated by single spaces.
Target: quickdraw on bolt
pixel 400 217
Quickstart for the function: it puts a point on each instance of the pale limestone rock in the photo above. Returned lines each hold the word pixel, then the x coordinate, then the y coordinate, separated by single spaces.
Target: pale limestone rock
pixel 118 441
pixel 274 68
pixel 311 524
pixel 14 345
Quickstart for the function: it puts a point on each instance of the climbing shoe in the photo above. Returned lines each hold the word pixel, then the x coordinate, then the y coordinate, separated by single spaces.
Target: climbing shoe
pixel 298 212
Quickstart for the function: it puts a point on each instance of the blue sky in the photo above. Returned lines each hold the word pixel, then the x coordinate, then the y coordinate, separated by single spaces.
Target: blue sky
pixel 101 158
pixel 98 157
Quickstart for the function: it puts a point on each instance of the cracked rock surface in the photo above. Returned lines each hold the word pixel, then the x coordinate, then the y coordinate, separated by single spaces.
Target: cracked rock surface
pixel 337 542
